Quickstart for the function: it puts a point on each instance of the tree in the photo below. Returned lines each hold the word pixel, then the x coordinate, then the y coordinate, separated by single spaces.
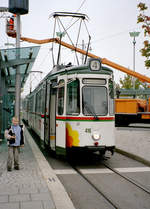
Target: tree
pixel 145 20
pixel 126 83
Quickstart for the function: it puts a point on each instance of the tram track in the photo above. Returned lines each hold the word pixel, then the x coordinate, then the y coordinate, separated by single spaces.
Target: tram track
pixel 127 178
pixel 110 201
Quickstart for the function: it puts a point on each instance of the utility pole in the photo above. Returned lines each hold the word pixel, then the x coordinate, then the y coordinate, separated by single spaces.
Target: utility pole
pixel 18 75
pixel 18 8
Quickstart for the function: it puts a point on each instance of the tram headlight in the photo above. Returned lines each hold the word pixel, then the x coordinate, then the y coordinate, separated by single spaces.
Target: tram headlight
pixel 96 136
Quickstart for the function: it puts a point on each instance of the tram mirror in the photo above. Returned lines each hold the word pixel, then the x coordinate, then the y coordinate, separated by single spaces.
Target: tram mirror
pixel 71 80
pixel 111 89
pixel 54 84
pixel 58 85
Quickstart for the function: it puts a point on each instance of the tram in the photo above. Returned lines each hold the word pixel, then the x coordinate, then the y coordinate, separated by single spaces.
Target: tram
pixel 72 109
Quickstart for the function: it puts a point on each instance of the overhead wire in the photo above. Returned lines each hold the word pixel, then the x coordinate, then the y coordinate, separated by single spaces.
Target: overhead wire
pixel 81 5
pixel 65 31
pixel 76 12
pixel 112 36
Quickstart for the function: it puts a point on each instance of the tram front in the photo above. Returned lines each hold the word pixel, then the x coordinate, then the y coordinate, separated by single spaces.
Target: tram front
pixel 89 114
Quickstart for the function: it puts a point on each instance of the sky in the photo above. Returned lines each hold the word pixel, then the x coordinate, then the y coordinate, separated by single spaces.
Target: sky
pixel 109 25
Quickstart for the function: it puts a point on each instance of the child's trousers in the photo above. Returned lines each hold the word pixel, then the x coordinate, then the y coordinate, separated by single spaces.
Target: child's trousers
pixel 13 155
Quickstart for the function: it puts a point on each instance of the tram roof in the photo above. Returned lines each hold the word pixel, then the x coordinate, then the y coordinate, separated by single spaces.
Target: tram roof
pixel 79 69
pixel 9 61
pixel 62 70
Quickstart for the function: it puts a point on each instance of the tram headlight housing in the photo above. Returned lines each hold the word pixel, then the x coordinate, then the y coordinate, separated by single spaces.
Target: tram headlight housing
pixel 96 136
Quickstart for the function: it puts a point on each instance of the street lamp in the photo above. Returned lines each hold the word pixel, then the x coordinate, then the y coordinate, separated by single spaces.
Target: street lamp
pixel 134 34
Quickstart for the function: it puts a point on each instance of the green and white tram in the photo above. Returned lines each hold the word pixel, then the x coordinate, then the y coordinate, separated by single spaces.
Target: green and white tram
pixel 73 108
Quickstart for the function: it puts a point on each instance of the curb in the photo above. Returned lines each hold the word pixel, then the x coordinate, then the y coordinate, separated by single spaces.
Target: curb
pixel 59 194
pixel 133 156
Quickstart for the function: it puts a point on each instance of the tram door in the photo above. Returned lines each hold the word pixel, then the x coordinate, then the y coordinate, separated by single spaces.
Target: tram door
pixel 53 119
pixel 60 120
pixel 47 116
pixel 50 117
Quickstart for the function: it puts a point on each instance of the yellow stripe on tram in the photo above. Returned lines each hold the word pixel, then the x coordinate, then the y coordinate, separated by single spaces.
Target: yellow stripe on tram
pixel 52 137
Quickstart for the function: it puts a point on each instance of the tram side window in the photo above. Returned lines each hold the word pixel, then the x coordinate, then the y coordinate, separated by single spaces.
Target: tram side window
pixel 60 109
pixel 38 102
pixel 73 98
pixel 31 100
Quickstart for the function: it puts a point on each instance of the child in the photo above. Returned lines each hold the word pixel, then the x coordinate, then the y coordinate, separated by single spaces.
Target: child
pixel 14 136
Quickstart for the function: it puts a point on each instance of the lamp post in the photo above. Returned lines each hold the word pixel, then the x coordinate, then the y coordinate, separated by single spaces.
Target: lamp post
pixel 134 34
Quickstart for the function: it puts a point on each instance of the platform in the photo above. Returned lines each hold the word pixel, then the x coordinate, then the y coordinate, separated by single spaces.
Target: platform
pixel 35 185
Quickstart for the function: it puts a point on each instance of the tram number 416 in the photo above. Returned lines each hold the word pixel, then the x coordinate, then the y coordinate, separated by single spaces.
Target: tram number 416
pixel 88 130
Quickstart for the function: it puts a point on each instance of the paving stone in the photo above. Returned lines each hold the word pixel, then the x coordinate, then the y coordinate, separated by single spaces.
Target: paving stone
pixel 19 197
pixel 26 190
pixel 4 189
pixel 10 206
pixel 43 189
pixel 32 205
pixel 41 196
pixel 48 205
pixel 3 198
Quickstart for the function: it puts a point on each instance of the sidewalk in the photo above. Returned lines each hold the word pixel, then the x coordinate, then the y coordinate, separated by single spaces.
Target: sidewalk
pixel 134 143
pixel 34 186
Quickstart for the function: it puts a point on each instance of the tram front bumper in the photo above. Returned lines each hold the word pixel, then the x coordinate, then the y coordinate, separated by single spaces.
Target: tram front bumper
pixel 94 149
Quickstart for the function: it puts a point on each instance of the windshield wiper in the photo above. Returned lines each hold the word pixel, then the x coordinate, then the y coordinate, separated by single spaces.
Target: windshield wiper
pixel 89 108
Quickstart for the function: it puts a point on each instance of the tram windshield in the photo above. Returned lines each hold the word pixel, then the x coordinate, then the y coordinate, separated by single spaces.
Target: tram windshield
pixel 95 100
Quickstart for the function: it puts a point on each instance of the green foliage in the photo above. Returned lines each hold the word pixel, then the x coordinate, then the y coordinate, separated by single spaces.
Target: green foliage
pixel 127 83
pixel 145 21
pixel 142 6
